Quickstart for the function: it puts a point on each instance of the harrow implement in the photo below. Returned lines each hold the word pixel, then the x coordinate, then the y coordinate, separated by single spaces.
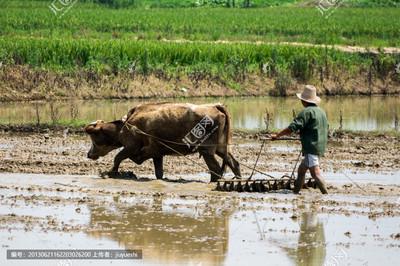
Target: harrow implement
pixel 260 185
pixel 237 184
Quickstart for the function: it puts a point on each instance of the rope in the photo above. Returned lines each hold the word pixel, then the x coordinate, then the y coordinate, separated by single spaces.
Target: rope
pixel 184 144
pixel 352 181
pixel 258 157
pixel 161 141
pixel 295 166
pixel 258 171
pixel 172 149
pixel 193 161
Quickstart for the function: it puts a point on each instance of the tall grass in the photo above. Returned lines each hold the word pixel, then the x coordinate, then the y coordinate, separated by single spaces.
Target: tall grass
pixel 213 3
pixel 231 61
pixel 168 3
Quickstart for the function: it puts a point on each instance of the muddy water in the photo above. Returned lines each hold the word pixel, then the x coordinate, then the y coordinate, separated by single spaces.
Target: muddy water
pixel 198 227
pixel 359 113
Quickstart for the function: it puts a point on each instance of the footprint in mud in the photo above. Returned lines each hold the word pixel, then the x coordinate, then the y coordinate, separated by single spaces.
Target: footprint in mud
pixel 118 175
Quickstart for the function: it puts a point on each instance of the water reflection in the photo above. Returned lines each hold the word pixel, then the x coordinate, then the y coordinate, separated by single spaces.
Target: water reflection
pixel 173 231
pixel 166 233
pixel 359 113
pixel 310 250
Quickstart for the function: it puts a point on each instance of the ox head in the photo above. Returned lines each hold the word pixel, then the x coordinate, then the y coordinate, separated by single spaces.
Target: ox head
pixel 104 136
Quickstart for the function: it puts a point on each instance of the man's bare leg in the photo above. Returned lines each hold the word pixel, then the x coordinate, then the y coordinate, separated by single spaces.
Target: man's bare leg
pixel 316 174
pixel 301 178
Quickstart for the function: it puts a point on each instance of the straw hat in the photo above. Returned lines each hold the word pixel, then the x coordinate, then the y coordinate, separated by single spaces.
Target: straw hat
pixel 309 95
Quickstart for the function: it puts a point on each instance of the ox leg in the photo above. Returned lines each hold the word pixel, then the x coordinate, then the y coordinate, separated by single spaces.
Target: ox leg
pixel 213 166
pixel 122 155
pixel 231 162
pixel 234 165
pixel 142 155
pixel 158 166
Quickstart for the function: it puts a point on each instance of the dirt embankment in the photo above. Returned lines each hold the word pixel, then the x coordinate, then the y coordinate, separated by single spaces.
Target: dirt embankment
pixel 20 83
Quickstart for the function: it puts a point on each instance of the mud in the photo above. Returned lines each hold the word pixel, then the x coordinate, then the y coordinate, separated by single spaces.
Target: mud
pixel 51 196
pixel 189 224
pixel 375 157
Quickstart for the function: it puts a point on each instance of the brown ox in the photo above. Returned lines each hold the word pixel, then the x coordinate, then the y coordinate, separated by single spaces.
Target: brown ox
pixel 154 130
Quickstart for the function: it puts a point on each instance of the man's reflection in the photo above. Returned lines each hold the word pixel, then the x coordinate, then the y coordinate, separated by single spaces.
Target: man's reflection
pixel 310 250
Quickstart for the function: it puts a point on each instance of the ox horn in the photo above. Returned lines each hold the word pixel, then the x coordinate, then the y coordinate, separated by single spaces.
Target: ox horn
pixel 96 122
pixel 91 128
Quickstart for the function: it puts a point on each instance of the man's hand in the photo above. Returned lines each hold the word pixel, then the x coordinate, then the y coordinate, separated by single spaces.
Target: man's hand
pixel 284 132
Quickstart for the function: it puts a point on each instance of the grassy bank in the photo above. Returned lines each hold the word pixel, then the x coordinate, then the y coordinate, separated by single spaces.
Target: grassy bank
pixel 97 50
pixel 85 68
pixel 232 60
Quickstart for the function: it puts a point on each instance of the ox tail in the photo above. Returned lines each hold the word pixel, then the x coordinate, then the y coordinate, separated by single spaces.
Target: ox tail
pixel 227 128
pixel 228 135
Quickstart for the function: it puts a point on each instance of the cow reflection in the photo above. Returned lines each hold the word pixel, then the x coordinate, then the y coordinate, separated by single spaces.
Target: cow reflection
pixel 167 234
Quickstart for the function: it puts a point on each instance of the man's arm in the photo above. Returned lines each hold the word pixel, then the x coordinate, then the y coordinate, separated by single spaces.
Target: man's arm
pixel 297 124
pixel 286 131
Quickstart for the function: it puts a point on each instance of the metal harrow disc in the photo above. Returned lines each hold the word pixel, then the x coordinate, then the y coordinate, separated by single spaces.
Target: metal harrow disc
pixel 259 185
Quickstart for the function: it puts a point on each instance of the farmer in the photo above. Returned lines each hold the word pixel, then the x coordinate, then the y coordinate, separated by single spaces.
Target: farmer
pixel 313 126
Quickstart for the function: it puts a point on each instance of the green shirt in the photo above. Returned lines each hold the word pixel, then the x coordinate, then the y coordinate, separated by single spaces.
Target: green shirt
pixel 313 126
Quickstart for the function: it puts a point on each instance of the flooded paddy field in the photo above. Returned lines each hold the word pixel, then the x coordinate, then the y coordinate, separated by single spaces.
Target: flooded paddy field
pixel 358 113
pixel 63 153
pixel 189 224
pixel 52 196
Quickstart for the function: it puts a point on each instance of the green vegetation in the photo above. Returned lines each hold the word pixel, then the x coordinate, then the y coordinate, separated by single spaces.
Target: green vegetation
pixel 168 3
pixel 349 26
pixel 214 3
pixel 101 37
pixel 196 60
pixel 190 3
pixel 372 3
